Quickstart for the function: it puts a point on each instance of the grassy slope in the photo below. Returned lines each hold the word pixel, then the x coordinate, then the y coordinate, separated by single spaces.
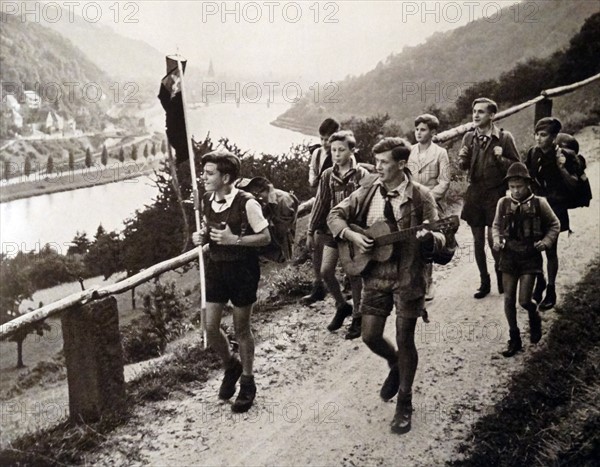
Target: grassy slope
pixel 551 415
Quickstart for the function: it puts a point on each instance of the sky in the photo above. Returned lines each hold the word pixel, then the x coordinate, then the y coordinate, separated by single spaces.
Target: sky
pixel 335 39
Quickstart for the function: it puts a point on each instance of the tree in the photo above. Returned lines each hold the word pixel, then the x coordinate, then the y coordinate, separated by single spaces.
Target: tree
pixel 121 155
pixel 6 169
pixel 15 287
pixel 104 255
pixel 146 154
pixel 153 150
pixel 104 156
pixel 134 154
pixel 88 158
pixel 27 168
pixel 80 244
pixel 163 147
pixel 50 165
pixel 71 161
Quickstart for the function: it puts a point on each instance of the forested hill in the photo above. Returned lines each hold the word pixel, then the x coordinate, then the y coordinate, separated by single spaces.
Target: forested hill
pixel 35 58
pixel 448 63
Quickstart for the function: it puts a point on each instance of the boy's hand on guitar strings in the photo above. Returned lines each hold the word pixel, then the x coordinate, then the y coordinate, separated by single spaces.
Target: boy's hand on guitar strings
pixel 363 243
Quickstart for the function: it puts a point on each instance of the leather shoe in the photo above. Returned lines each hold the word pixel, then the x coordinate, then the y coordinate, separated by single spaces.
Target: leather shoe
pixel 391 384
pixel 318 293
pixel 484 288
pixel 402 418
pixel 341 313
pixel 246 396
pixel 232 374
pixel 550 299
pixel 514 344
pixel 354 329
pixel 535 326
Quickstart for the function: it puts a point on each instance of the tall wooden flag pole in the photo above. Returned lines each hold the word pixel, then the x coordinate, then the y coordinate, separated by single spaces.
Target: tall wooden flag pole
pixel 196 204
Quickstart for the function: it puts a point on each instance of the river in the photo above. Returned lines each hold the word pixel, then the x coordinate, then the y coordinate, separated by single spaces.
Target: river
pixel 28 224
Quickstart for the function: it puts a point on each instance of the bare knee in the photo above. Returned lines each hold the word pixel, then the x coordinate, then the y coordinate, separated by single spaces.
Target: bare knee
pixel 370 338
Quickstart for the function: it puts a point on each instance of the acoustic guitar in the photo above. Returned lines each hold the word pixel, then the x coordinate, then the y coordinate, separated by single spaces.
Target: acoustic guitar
pixel 355 262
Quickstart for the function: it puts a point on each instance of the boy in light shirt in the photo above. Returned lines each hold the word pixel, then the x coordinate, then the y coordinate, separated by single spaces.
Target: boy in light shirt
pixel 430 167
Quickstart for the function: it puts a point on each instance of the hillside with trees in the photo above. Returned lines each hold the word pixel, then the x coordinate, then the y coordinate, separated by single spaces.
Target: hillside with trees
pixel 35 58
pixel 437 72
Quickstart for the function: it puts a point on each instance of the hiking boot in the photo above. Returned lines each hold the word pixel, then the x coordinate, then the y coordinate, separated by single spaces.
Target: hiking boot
pixel 232 374
pixel 354 329
pixel 391 384
pixel 317 294
pixel 484 288
pixel 540 286
pixel 514 344
pixel 402 418
pixel 341 313
pixel 550 299
pixel 535 326
pixel 246 396
pixel 499 282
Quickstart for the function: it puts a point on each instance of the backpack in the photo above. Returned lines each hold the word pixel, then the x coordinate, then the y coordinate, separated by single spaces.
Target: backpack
pixel 581 194
pixel 281 228
pixel 445 255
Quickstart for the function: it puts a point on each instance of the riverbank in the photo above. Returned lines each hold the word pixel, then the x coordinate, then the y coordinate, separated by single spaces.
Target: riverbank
pixel 294 125
pixel 74 180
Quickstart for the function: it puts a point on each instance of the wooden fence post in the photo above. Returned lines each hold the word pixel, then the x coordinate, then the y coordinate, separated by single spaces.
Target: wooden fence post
pixel 543 109
pixel 94 359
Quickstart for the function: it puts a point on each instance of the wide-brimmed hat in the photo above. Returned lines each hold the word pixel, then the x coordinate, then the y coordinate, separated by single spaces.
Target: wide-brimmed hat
pixel 249 183
pixel 517 170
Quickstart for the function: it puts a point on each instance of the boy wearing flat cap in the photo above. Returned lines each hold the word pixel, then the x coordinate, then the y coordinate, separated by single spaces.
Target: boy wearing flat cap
pixel 232 269
pixel 553 171
pixel 524 226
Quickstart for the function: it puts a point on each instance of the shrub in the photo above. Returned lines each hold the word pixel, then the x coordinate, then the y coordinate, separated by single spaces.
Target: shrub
pixel 164 320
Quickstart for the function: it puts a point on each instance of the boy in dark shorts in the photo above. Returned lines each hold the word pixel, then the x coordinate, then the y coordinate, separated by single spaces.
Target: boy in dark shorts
pixel 524 226
pixel 486 152
pixel 235 229
pixel 401 280
pixel 553 171
pixel 320 160
pixel 337 183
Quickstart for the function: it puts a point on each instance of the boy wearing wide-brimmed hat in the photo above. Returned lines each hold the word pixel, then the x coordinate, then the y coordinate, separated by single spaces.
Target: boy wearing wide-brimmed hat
pixel 523 227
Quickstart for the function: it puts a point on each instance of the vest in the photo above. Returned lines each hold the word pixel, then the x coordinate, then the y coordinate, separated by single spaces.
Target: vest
pixel 236 218
pixel 524 228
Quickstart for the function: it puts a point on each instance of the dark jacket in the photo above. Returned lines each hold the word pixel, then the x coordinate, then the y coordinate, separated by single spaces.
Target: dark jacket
pixel 485 167
pixel 409 270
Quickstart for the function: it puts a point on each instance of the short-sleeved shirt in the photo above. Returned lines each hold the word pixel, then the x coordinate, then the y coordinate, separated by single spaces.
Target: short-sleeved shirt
pixel 254 213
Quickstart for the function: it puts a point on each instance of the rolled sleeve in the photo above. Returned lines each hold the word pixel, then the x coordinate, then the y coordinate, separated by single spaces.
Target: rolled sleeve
pixel 257 221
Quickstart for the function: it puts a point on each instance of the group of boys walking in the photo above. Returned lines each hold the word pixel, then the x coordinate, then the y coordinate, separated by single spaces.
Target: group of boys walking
pixel 406 190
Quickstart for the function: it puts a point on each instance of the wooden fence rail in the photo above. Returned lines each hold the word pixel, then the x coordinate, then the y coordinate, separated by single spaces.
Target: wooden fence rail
pixel 448 135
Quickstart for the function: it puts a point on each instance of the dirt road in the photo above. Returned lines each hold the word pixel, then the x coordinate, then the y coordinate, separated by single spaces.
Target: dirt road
pixel 318 395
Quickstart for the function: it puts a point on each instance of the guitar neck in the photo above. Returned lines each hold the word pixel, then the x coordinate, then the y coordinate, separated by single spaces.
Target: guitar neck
pixel 398 236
